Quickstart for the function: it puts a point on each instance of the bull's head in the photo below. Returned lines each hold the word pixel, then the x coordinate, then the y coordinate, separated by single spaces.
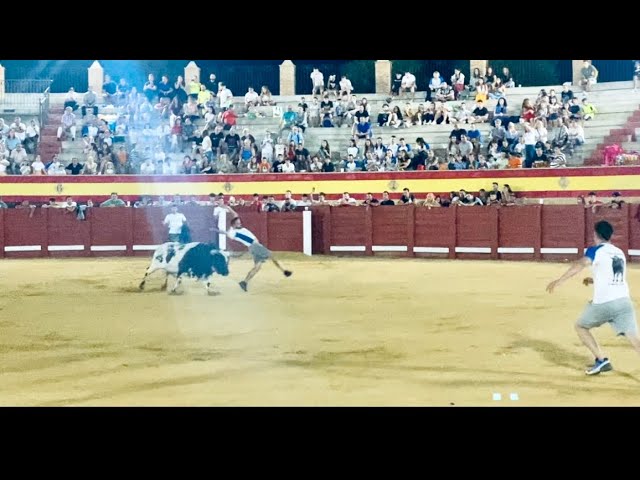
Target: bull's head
pixel 220 263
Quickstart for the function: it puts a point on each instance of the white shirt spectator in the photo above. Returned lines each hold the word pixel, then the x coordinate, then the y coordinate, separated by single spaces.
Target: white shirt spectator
pixel 56 168
pixel 346 86
pixel 25 169
pixel 251 97
pixel 408 80
pixel 351 166
pixel 175 222
pixel 32 131
pixel 38 167
pixel 288 167
pixel 147 168
pixel 20 129
pixel 19 155
pixel 225 96
pixel 317 78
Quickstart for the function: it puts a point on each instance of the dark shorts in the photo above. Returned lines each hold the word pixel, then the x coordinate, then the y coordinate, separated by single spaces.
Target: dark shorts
pixel 174 237
pixel 259 252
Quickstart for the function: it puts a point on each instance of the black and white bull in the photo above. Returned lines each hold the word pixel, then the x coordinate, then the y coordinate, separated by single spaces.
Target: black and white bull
pixel 196 260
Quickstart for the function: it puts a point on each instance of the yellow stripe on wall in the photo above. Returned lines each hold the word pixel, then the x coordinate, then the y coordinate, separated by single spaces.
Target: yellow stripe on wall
pixel 531 184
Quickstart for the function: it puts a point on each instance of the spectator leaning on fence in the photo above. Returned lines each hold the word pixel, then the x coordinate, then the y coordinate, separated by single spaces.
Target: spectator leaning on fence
pixel 114 201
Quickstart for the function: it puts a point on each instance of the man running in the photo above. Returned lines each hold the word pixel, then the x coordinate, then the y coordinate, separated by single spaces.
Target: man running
pixel 611 302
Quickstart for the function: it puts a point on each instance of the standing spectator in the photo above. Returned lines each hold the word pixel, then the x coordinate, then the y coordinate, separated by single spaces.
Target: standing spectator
pixel 317 82
pixel 225 96
pixel 636 75
pixel 32 135
pixel 175 221
pixel 150 89
pixel 109 90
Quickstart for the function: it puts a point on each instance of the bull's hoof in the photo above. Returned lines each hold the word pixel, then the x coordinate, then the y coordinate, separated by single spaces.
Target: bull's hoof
pixel 163 287
pixel 174 292
pixel 141 286
pixel 213 293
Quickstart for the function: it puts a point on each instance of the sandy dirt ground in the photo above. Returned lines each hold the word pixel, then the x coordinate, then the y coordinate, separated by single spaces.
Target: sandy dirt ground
pixel 340 331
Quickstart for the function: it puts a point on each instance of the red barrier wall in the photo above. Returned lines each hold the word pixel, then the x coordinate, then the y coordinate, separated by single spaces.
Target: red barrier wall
pixel 321 229
pixel 25 235
pixel 2 211
pixel 519 230
pixel 351 230
pixel 562 232
pixel 435 232
pixel 634 231
pixel 284 231
pixel 551 232
pixel 391 229
pixel 477 232
pixel 67 236
pixel 111 231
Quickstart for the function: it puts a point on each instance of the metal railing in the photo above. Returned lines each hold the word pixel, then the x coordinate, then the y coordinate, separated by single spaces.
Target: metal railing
pixel 27 85
pixel 43 108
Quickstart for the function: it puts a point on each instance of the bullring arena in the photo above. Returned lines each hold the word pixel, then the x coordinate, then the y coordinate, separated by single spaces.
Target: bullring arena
pixel 402 305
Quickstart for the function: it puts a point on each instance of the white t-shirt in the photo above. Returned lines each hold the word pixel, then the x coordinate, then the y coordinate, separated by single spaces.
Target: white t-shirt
pixel 242 235
pixel 288 168
pixel 609 267
pixel 175 222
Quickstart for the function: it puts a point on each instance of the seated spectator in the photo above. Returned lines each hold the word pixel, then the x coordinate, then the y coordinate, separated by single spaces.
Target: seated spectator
pixel 480 114
pixel 557 159
pixel 289 117
pixel 507 78
pixel 71 100
pixel 588 110
pixel 89 102
pixel 408 84
pixel 362 129
pixel 566 95
pixel 457 82
pixel 589 75
pixel 434 86
pixel 74 168
pixel 251 98
pixel 328 166
pixel 445 93
pixel 345 86
pixel 482 91
pixel 32 135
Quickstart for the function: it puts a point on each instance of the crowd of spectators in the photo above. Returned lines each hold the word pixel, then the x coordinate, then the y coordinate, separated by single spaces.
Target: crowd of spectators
pixel 188 127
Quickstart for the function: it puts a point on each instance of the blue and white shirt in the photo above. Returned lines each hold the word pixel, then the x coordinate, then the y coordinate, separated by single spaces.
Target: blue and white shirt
pixel 609 267
pixel 242 235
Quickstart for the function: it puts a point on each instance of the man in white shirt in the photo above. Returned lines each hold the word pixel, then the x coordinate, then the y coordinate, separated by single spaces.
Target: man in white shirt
pixel 408 84
pixel 175 221
pixel 258 251
pixel 317 80
pixel 345 86
pixel 611 302
pixel 251 98
pixel 225 96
